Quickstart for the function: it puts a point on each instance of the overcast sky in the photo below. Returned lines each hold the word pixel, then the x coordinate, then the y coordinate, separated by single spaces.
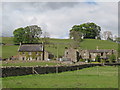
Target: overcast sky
pixel 57 18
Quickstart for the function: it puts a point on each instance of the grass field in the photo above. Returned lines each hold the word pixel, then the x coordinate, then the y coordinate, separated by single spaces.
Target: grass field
pixel 94 77
pixel 8 51
pixel 7 40
pixel 54 48
pixel 22 63
pixel 102 44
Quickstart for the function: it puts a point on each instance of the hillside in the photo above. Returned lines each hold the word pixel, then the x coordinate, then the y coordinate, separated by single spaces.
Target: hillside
pixel 8 51
pixel 7 40
pixel 102 44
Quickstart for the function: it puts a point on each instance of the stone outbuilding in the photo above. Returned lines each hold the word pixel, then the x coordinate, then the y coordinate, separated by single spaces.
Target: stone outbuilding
pixel 75 55
pixel 92 54
pixel 71 54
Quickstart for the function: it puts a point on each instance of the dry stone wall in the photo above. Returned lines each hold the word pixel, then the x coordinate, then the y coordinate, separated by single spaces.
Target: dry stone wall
pixel 19 71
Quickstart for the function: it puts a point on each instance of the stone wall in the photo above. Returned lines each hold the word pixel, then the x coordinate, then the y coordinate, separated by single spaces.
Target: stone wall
pixel 19 71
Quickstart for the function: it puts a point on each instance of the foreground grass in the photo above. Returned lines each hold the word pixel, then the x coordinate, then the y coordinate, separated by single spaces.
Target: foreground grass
pixel 94 77
pixel 34 63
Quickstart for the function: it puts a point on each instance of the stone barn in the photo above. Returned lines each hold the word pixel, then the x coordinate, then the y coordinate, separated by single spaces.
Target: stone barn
pixel 71 54
pixel 33 52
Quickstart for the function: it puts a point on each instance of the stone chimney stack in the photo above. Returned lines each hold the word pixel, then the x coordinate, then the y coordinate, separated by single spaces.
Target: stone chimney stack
pixel 97 47
pixel 20 43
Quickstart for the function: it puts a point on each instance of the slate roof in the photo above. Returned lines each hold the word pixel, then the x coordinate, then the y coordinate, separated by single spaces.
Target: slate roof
pixel 31 48
pixel 100 51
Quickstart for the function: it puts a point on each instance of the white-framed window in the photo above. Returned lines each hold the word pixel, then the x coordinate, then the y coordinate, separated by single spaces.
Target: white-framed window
pixel 66 52
pixel 30 58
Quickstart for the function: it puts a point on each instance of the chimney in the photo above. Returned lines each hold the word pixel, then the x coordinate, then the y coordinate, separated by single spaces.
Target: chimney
pixel 20 43
pixel 43 47
pixel 97 47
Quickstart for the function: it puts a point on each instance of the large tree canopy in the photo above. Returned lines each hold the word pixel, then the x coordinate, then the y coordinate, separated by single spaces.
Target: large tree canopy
pixel 29 34
pixel 87 30
pixel 19 35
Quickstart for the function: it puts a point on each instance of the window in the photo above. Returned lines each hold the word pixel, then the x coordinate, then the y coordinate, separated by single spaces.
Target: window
pixel 23 58
pixel 37 53
pixel 29 53
pixel 36 58
pixel 23 53
pixel 66 52
pixel 30 58
pixel 101 54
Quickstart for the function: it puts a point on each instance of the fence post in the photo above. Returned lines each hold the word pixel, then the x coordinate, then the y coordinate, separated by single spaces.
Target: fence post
pixel 33 69
pixel 56 69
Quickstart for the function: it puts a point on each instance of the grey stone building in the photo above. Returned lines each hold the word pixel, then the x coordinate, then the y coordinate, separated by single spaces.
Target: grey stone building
pixel 92 54
pixel 33 52
pixel 71 54
pixel 75 54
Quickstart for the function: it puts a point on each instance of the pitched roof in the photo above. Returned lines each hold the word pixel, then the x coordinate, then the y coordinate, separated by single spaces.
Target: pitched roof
pixel 99 50
pixel 31 48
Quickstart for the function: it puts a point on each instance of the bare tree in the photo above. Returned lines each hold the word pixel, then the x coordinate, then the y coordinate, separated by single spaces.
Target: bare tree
pixel 107 35
pixel 46 37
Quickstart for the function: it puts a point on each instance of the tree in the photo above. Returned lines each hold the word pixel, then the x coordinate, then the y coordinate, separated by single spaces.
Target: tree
pixel 97 58
pixel 76 35
pixel 117 39
pixel 76 38
pixel 19 35
pixel 107 35
pixel 32 34
pixel 46 37
pixel 118 50
pixel 88 30
pixel 29 34
pixel 112 58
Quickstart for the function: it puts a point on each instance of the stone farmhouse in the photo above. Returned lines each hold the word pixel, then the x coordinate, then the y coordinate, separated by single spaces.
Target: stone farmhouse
pixel 33 52
pixel 75 55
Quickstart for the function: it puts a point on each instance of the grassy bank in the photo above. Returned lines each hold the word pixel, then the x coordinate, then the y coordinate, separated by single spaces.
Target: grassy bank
pixel 28 63
pixel 94 77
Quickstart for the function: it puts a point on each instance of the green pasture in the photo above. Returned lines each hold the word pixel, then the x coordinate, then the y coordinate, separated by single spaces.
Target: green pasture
pixel 93 77
pixel 102 44
pixel 7 40
pixel 59 48
pixel 8 51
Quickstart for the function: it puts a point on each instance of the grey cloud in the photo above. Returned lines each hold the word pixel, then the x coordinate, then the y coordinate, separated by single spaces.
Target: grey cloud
pixel 58 18
pixel 38 6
